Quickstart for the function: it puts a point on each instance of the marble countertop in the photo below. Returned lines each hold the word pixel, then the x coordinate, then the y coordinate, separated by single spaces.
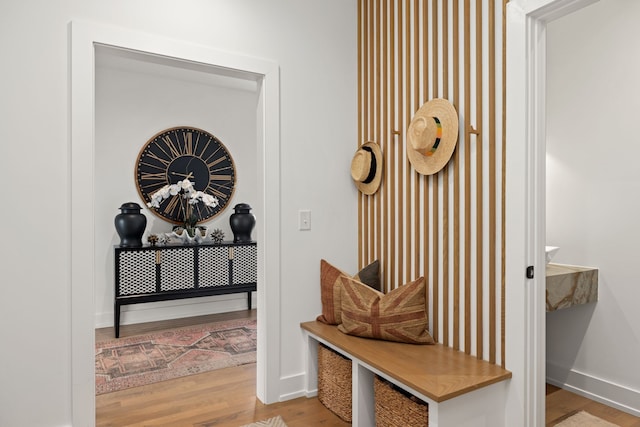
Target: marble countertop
pixel 569 285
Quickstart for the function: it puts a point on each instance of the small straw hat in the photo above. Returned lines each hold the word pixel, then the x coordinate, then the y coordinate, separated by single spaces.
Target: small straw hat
pixel 433 133
pixel 366 167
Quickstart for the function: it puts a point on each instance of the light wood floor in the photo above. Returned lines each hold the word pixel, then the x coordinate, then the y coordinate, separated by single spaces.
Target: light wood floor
pixel 226 397
pixel 561 404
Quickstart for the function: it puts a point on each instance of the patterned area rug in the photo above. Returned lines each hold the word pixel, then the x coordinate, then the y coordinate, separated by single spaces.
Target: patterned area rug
pixel 271 422
pixel 164 355
pixel 585 419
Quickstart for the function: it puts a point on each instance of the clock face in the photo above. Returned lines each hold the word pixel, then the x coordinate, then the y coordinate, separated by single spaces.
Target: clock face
pixel 185 152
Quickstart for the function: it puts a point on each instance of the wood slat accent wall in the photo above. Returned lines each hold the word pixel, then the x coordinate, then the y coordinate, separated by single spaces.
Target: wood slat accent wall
pixel 447 227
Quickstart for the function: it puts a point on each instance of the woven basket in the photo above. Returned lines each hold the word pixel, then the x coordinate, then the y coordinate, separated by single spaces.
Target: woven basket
pixel 334 382
pixel 395 407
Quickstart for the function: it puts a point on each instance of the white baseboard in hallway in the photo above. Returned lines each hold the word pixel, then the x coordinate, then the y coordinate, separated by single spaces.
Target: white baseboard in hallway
pixel 615 395
pixel 175 309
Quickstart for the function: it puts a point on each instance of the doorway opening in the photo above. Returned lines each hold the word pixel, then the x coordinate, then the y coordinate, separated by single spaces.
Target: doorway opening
pixel 84 264
pixel 525 204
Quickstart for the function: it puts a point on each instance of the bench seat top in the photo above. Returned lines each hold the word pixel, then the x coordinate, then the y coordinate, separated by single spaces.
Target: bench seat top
pixel 436 371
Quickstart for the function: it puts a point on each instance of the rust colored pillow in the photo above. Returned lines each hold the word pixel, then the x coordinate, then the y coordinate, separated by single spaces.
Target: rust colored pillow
pixel 400 315
pixel 330 285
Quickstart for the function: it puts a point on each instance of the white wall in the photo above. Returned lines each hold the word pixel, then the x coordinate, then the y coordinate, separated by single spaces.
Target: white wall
pixel 318 137
pixel 135 99
pixel 593 196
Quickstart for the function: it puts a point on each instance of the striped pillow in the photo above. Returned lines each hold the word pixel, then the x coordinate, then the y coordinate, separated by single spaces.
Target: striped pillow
pixel 400 315
pixel 330 285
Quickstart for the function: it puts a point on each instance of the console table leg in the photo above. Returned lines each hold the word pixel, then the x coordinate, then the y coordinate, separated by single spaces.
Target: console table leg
pixel 249 300
pixel 116 318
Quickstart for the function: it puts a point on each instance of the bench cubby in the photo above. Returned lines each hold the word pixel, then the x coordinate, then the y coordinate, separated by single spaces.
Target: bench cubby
pixel 460 390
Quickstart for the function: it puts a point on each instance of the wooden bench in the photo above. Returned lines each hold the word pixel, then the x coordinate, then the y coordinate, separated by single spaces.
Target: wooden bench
pixel 449 381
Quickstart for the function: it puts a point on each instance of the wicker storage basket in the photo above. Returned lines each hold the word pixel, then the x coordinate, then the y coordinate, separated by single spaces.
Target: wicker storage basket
pixel 395 407
pixel 334 382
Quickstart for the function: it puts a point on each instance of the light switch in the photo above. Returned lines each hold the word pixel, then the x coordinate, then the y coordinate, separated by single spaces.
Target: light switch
pixel 304 219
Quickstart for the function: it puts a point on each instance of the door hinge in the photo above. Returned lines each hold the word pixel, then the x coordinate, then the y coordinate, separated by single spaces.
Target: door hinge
pixel 530 272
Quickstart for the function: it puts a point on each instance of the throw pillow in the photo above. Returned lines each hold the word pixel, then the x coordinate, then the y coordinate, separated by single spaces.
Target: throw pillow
pixel 400 315
pixel 330 285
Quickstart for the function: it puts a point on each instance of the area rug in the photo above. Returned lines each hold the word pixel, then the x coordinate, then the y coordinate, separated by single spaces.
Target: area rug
pixel 585 419
pixel 145 359
pixel 271 422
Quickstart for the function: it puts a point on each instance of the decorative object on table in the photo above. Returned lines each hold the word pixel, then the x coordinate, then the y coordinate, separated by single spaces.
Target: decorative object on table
pixel 185 153
pixel 187 200
pixel 197 234
pixel 433 134
pixel 130 224
pixel 163 239
pixel 242 223
pixel 366 168
pixel 152 239
pixel 217 235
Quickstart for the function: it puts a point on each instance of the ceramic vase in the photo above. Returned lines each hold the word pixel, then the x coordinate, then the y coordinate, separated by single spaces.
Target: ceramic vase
pixel 242 223
pixel 130 224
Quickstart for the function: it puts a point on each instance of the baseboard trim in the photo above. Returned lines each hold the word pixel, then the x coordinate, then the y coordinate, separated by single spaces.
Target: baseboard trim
pixel 175 309
pixel 598 389
pixel 292 387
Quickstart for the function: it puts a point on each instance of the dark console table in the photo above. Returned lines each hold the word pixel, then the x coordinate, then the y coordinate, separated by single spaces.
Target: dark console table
pixel 168 272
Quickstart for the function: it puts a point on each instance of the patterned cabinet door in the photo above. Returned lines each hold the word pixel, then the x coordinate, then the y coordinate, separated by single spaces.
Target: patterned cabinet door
pixel 137 272
pixel 213 266
pixel 245 264
pixel 176 269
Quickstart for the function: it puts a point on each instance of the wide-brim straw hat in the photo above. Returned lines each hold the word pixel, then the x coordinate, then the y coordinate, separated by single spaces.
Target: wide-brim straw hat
pixel 433 133
pixel 366 167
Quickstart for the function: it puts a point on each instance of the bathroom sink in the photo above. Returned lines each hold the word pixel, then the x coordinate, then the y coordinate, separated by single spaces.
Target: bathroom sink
pixel 550 252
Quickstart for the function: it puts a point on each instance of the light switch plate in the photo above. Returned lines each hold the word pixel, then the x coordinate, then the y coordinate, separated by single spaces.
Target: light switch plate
pixel 304 219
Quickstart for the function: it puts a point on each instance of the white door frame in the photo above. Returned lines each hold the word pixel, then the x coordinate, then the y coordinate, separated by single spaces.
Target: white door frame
pixel 525 203
pixel 83 39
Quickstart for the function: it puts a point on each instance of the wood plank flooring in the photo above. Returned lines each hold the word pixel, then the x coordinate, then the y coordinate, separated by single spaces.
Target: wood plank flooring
pixel 561 404
pixel 226 397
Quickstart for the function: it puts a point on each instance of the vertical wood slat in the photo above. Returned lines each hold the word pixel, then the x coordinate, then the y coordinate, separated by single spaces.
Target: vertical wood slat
pixel 402 53
pixel 456 182
pixel 445 172
pixel 503 196
pixel 379 122
pixel 479 188
pixel 386 136
pixel 406 233
pixel 407 225
pixel 435 205
pixel 467 178
pixel 415 178
pixel 400 157
pixel 492 183
pixel 362 101
pixel 435 294
pixel 391 263
pixel 375 128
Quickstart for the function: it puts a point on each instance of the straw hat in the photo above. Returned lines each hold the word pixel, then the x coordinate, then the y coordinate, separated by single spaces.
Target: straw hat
pixel 366 167
pixel 433 133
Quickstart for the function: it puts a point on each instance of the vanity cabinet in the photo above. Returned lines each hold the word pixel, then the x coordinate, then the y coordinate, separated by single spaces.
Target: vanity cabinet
pixel 161 273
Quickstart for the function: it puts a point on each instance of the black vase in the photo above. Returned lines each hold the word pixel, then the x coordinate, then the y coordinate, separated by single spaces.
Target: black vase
pixel 130 225
pixel 242 223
